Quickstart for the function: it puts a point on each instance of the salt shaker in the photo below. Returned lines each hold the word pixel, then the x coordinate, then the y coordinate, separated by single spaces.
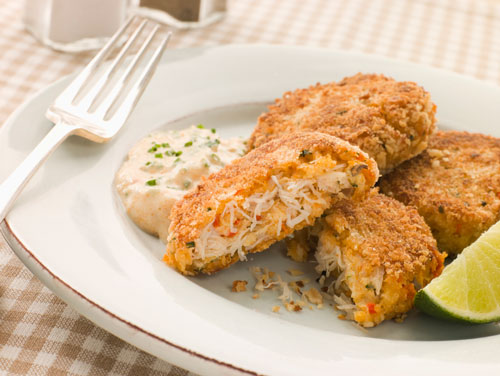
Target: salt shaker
pixel 74 25
pixel 181 14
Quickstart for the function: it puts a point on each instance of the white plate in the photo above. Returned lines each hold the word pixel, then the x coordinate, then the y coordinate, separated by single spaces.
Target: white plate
pixel 69 228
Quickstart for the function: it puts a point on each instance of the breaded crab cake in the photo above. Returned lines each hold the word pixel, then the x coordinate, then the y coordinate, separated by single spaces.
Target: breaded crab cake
pixel 454 184
pixel 378 252
pixel 389 120
pixel 262 197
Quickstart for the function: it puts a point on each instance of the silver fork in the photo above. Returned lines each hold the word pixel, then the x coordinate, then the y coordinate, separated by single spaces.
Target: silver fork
pixel 96 104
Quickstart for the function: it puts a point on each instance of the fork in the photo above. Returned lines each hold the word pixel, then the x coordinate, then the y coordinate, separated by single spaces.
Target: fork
pixel 96 103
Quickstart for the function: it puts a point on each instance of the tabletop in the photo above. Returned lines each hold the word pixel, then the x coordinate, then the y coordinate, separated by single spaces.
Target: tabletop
pixel 39 333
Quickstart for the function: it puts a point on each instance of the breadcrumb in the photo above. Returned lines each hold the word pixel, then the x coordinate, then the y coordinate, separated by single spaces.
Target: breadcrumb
pixel 295 272
pixel 314 296
pixel 239 286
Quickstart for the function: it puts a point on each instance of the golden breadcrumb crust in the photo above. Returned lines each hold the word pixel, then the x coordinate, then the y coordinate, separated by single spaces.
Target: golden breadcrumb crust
pixel 380 232
pixel 241 178
pixel 454 184
pixel 389 120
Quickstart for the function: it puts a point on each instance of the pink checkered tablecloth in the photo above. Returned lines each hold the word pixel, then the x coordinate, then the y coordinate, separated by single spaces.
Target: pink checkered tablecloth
pixel 40 334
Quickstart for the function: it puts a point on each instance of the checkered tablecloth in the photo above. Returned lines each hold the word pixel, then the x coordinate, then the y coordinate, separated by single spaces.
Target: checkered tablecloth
pixel 39 334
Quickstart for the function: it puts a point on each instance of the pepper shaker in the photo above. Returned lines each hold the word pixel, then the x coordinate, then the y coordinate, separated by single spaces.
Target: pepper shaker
pixel 182 14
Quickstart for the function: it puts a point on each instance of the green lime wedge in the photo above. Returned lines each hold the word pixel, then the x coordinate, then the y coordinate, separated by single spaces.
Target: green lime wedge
pixel 468 290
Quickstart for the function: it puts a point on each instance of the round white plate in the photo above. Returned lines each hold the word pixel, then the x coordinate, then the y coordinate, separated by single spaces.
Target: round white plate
pixel 69 227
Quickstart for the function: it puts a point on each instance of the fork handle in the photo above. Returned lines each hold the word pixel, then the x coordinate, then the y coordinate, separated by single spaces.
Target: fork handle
pixel 15 182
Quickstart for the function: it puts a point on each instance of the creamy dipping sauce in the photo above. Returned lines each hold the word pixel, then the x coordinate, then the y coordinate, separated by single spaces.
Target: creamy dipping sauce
pixel 163 166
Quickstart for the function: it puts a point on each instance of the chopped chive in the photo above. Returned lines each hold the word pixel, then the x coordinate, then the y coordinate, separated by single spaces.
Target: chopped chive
pixel 165 145
pixel 148 163
pixel 151 182
pixel 177 153
pixel 158 155
pixel 152 149
pixel 177 160
pixel 305 152
pixel 206 165
pixel 213 130
pixel 211 143
pixel 200 126
pixel 187 184
pixel 215 157
pixel 190 244
pixel 189 143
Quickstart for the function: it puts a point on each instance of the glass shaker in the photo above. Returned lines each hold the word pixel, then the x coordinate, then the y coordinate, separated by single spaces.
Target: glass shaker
pixel 181 14
pixel 74 25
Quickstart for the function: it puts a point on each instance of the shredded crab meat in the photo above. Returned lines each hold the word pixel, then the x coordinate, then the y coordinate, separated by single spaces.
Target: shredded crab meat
pixel 298 196
pixel 331 263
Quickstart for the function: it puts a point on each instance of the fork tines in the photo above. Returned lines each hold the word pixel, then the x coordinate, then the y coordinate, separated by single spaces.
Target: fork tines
pixel 101 89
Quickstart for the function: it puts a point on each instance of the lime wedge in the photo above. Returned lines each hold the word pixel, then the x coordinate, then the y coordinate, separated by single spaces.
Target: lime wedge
pixel 468 290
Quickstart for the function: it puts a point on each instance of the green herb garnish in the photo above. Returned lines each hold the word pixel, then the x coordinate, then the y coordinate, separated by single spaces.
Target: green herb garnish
pixel 189 143
pixel 177 153
pixel 213 143
pixel 148 163
pixel 152 149
pixel 190 244
pixel 200 126
pixel 158 155
pixel 305 152
pixel 165 145
pixel 213 130
pixel 151 182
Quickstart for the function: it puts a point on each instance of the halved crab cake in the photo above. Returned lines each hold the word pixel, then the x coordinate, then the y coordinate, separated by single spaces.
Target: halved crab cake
pixel 454 184
pixel 262 197
pixel 378 252
pixel 389 120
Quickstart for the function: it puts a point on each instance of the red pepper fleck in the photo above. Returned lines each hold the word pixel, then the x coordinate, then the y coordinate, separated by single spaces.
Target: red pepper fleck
pixel 237 220
pixel 231 234
pixel 217 221
pixel 371 307
pixel 258 217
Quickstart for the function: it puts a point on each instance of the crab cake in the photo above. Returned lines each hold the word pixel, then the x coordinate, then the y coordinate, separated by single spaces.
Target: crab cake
pixel 389 120
pixel 378 252
pixel 454 184
pixel 262 197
